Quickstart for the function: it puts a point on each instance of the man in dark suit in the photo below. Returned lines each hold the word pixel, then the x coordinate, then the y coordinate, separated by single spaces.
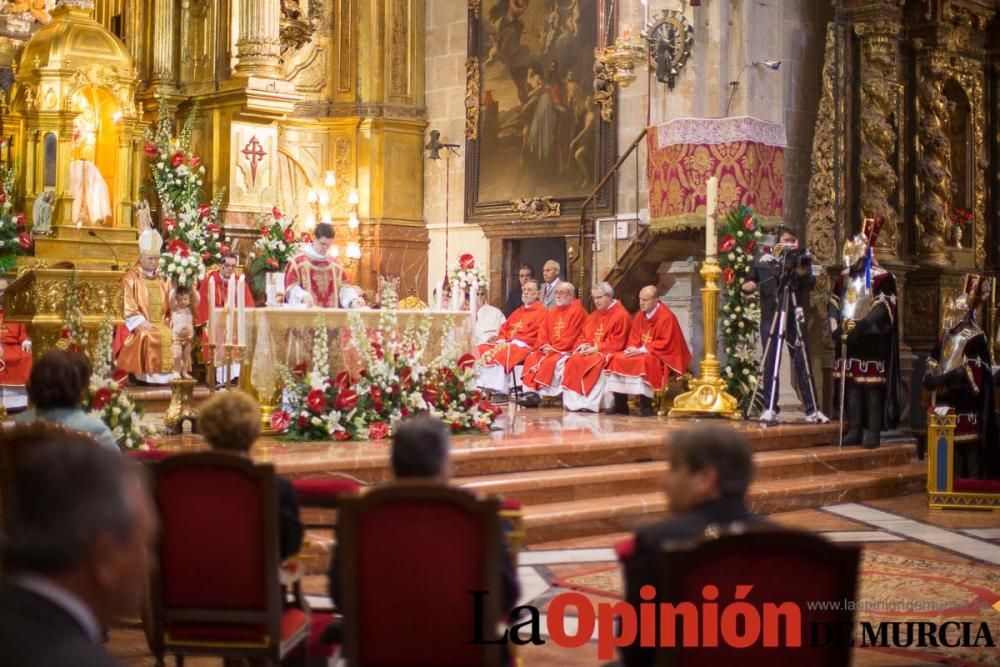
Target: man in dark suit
pixel 710 468
pixel 78 528
pixel 524 274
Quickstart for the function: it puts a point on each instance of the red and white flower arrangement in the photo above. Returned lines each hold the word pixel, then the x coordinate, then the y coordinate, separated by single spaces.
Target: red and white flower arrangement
pixel 14 239
pixel 466 272
pixel 181 266
pixel 274 249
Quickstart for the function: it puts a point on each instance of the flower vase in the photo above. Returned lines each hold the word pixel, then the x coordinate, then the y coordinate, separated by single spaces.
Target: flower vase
pixel 956 236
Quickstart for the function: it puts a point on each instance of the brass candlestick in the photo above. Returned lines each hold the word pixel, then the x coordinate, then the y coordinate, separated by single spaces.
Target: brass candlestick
pixel 230 355
pixel 707 396
pixel 210 369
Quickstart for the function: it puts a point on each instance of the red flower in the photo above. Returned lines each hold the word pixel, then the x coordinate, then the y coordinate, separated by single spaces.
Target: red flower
pixel 466 262
pixel 101 398
pixel 316 400
pixel 205 256
pixel 346 400
pixel 466 361
pixel 169 225
pixel 378 430
pixel 430 394
pixel 289 235
pixel 178 159
pixel 276 212
pixel 280 420
pixel 456 427
pixel 204 210
pixel 404 412
pixel 341 435
pixel 24 240
pixel 748 223
pixel 19 219
pixel 195 161
pixel 272 263
pixel 224 250
pixel 342 379
pixel 728 275
pixel 178 246
pixel 3 196
pixel 213 228
pixel 306 237
pixel 150 149
pixel 750 246
pixel 482 427
pixel 404 378
pixel 486 406
pixel 302 421
pixel 727 243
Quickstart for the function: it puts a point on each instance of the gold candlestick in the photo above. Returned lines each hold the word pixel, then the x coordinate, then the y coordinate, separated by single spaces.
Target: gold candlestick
pixel 210 369
pixel 707 396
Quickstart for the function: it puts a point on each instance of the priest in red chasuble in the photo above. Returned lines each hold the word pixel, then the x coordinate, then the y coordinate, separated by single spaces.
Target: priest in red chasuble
pixel 143 342
pixel 15 360
pixel 516 340
pixel 656 349
pixel 315 279
pixel 543 368
pixel 217 280
pixel 604 333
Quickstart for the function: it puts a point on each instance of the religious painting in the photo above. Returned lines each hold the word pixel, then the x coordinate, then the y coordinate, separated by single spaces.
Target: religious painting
pixel 538 131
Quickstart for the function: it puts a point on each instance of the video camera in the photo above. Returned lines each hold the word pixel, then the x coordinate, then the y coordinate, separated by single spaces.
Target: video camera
pixel 792 257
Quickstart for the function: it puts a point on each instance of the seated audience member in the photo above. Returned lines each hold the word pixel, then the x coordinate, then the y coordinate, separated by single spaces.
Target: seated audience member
pixel 709 472
pixel 230 422
pixel 420 450
pixel 78 530
pixel 56 387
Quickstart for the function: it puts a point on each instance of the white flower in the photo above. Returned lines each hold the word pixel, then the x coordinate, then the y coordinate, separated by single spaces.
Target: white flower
pixel 116 410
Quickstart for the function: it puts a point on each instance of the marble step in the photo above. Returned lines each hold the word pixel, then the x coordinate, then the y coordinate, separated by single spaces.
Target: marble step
pixel 595 516
pixel 568 484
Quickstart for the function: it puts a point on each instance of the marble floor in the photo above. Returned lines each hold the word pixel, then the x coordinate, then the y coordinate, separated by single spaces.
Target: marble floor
pixel 912 557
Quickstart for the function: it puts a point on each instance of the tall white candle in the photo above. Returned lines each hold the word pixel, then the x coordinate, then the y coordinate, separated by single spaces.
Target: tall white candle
pixel 230 307
pixel 474 298
pixel 241 311
pixel 712 198
pixel 456 298
pixel 439 296
pixel 212 313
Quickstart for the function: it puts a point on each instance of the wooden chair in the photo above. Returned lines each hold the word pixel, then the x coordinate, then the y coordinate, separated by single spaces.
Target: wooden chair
pixel 782 566
pixel 409 555
pixel 217 591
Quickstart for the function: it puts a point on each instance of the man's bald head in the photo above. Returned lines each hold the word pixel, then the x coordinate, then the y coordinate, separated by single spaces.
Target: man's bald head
pixel 649 296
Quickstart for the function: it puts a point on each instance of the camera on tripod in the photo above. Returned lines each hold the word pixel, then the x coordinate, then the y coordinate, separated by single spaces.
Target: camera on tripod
pixel 792 257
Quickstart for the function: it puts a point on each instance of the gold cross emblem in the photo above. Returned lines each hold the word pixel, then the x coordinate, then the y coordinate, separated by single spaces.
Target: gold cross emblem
pixel 517 327
pixel 560 325
pixel 599 335
pixel 647 338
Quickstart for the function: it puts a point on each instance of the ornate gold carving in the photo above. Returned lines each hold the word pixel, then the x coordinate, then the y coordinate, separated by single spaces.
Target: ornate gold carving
pixel 472 99
pixel 474 8
pixel 921 313
pixel 969 75
pixel 297 27
pixel 934 160
pixel 342 171
pixel 879 74
pixel 535 208
pixel 399 71
pixel 604 89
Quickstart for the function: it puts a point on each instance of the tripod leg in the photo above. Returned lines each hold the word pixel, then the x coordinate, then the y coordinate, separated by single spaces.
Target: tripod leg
pixel 778 347
pixel 768 345
pixel 800 358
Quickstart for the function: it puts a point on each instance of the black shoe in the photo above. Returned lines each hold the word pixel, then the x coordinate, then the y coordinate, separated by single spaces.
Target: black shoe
pixel 620 407
pixel 853 437
pixel 529 400
pixel 646 407
pixel 872 440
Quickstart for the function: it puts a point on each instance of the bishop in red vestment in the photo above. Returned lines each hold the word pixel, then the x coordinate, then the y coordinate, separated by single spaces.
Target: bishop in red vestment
pixel 15 360
pixel 604 333
pixel 512 345
pixel 543 368
pixel 219 279
pixel 656 348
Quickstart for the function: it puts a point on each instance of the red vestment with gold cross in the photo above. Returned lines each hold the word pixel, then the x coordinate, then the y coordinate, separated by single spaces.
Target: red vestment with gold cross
pixel 665 349
pixel 561 331
pixel 608 331
pixel 523 326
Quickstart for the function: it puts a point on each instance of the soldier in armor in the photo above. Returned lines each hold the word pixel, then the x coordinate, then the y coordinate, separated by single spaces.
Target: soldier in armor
pixel 863 319
pixel 959 375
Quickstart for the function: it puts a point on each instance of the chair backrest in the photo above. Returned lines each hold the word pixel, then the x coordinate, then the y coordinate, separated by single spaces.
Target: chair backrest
pixel 782 566
pixel 409 555
pixel 218 548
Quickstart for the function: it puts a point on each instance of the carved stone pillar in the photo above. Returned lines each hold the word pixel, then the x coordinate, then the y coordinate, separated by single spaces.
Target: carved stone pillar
pixel 259 45
pixel 933 162
pixel 163 43
pixel 879 91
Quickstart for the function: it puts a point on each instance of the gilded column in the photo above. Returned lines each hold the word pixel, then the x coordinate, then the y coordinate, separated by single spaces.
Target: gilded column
pixel 933 162
pixel 258 47
pixel 163 42
pixel 879 90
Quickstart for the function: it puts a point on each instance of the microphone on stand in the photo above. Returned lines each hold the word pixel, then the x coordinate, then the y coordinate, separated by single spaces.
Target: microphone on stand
pixel 91 232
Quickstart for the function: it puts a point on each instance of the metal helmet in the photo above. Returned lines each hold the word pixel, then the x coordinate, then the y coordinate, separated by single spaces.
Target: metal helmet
pixel 856 248
pixel 961 307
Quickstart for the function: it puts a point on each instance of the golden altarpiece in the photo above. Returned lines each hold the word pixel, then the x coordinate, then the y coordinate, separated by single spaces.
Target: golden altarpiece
pixel 294 97
pixel 909 129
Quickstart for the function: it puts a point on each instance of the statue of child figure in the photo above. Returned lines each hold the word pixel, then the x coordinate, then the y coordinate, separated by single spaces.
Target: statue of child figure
pixel 183 302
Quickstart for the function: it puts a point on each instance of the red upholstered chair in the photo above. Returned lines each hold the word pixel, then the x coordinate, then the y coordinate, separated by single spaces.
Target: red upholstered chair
pixel 409 554
pixel 323 493
pixel 148 455
pixel 782 566
pixel 216 591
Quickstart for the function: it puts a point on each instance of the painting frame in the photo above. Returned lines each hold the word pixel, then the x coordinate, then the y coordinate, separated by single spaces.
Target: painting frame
pixel 490 210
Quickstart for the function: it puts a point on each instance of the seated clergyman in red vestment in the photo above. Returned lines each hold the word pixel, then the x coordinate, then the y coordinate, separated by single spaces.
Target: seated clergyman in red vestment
pixel 315 279
pixel 656 348
pixel 219 279
pixel 604 333
pixel 516 340
pixel 15 360
pixel 543 369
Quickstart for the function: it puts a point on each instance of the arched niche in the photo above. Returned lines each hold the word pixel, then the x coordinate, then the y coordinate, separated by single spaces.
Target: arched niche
pixel 50 160
pixel 961 141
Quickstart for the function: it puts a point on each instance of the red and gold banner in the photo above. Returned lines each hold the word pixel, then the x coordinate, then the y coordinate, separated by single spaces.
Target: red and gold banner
pixel 745 154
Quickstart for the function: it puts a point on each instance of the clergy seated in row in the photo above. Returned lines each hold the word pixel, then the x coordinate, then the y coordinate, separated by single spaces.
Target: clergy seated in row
pixel 218 280
pixel 143 343
pixel 15 360
pixel 605 332
pixel 557 337
pixel 314 279
pixel 489 319
pixel 656 348
pixel 504 354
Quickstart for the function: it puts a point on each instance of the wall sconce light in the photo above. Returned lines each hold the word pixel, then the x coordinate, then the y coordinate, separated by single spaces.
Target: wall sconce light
pixel 353 250
pixel 352 221
pixel 330 180
pixel 310 223
pixel 335 251
pixel 770 64
pixel 312 197
pixel 353 198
